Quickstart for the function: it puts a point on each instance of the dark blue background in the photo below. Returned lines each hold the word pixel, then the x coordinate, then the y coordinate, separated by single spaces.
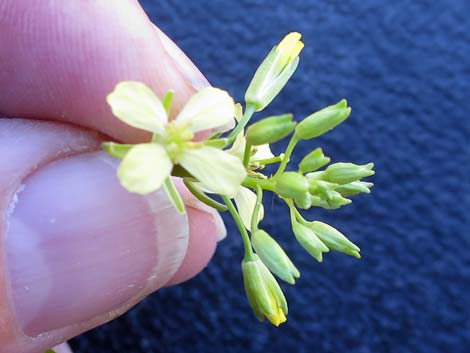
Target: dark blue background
pixel 404 67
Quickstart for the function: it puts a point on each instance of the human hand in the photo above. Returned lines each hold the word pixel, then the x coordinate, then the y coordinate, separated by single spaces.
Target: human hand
pixel 77 249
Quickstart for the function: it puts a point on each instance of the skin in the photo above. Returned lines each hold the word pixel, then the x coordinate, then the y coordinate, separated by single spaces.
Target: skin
pixel 58 61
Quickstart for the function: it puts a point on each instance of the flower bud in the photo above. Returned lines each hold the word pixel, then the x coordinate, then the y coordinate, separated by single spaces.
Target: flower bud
pixel 321 188
pixel 304 202
pixel 292 185
pixel 274 72
pixel 274 257
pixel 313 161
pixel 334 239
pixel 354 188
pixel 309 241
pixel 270 130
pixel 335 200
pixel 322 121
pixel 263 292
pixel 344 173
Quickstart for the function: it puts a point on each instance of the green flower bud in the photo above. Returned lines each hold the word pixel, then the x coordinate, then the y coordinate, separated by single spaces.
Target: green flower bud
pixel 309 241
pixel 304 202
pixel 344 173
pixel 334 239
pixel 335 200
pixel 354 188
pixel 274 72
pixel 116 150
pixel 274 257
pixel 321 188
pixel 263 292
pixel 292 185
pixel 322 121
pixel 313 161
pixel 270 130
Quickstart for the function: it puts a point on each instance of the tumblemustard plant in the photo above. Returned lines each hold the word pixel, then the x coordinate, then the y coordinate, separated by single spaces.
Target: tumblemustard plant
pixel 228 168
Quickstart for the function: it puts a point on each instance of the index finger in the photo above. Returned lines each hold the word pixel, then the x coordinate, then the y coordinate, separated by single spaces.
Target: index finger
pixel 59 59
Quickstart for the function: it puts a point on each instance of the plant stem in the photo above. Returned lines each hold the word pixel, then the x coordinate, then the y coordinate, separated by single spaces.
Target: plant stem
pixel 241 227
pixel 259 201
pixel 246 155
pixel 203 197
pixel 250 109
pixel 292 210
pixel 263 183
pixel 173 194
pixel 271 160
pixel 290 148
pixel 217 143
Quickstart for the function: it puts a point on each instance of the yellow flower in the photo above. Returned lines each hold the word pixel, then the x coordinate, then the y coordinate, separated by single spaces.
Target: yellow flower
pixel 146 166
pixel 263 292
pixel 289 48
pixel 274 72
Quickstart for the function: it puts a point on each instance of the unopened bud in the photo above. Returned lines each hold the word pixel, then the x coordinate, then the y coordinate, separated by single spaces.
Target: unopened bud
pixel 322 121
pixel 274 72
pixel 292 185
pixel 304 202
pixel 354 188
pixel 335 200
pixel 263 292
pixel 344 173
pixel 334 239
pixel 274 257
pixel 313 161
pixel 270 130
pixel 309 241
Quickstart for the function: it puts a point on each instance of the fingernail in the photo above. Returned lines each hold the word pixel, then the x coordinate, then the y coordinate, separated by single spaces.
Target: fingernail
pixel 79 246
pixel 187 69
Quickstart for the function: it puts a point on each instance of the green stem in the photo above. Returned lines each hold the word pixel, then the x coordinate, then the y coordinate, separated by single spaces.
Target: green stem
pixel 271 160
pixel 259 202
pixel 249 111
pixel 173 194
pixel 217 143
pixel 204 198
pixel 292 210
pixel 294 213
pixel 236 217
pixel 215 136
pixel 246 155
pixel 252 183
pixel 290 148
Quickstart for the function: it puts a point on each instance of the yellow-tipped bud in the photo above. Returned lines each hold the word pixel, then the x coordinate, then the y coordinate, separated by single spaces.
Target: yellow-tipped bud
pixel 263 291
pixel 274 72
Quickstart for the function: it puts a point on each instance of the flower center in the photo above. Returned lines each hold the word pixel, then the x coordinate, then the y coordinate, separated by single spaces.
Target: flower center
pixel 177 136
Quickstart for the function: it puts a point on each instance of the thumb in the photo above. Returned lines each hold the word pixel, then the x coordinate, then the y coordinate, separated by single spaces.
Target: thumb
pixel 79 249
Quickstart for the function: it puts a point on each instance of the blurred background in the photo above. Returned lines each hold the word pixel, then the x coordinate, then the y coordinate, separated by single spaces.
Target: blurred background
pixel 404 67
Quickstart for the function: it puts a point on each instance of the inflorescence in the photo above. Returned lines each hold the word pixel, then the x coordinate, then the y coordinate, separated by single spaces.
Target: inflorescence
pixel 226 170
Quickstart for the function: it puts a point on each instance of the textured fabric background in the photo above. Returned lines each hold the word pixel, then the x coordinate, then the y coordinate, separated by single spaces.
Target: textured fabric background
pixel 404 67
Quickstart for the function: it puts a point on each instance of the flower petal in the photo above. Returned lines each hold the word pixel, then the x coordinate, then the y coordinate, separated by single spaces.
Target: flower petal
pixel 144 168
pixel 209 108
pixel 245 200
pixel 261 152
pixel 238 147
pixel 217 170
pixel 135 104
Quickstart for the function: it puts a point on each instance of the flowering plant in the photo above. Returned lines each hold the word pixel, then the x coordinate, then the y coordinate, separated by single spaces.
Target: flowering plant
pixel 226 170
